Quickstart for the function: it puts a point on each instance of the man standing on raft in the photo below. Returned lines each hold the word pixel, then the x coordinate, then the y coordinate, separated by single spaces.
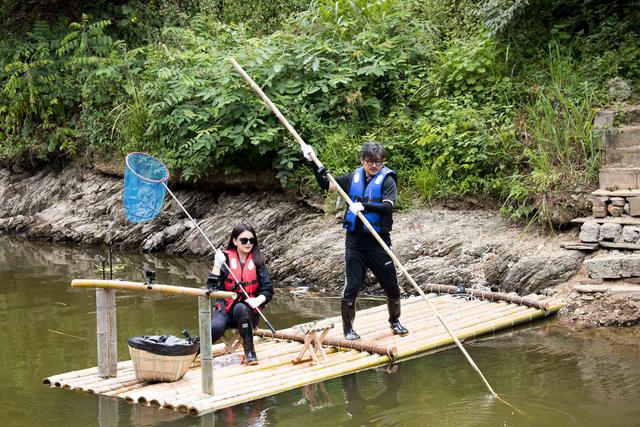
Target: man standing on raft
pixel 372 188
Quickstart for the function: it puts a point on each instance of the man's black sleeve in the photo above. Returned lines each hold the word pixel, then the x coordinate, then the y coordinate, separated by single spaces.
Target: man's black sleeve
pixel 321 176
pixel 389 190
pixel 384 208
pixel 344 181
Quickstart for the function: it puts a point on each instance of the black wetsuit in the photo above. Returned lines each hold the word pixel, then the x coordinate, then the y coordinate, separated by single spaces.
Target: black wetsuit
pixel 362 250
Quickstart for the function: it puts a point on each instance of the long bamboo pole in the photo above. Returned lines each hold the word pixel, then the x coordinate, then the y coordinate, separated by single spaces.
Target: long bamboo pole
pixel 364 220
pixel 144 287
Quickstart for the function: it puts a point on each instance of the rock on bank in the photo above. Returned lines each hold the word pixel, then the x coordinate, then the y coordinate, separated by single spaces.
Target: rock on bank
pixel 303 245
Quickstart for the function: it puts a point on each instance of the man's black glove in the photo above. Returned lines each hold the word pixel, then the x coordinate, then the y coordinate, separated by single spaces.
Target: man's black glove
pixel 213 282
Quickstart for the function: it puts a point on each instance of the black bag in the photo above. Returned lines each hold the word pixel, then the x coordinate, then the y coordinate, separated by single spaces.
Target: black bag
pixel 165 345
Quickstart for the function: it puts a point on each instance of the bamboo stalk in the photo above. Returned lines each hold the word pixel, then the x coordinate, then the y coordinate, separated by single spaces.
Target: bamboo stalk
pixel 106 381
pixel 286 374
pixel 117 392
pixel 200 408
pixel 108 387
pixel 333 342
pixel 57 380
pixel 425 333
pixel 488 295
pixel 143 287
pixel 415 342
pixel 231 379
pixel 206 360
pixel 427 319
pixel 242 381
pixel 83 386
pixel 277 385
pixel 474 331
pixel 424 325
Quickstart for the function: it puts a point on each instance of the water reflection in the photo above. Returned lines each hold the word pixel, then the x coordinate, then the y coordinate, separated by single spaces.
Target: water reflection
pixel 361 402
pixel 557 375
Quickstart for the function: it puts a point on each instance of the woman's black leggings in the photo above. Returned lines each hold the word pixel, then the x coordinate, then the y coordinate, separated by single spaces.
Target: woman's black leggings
pixel 221 320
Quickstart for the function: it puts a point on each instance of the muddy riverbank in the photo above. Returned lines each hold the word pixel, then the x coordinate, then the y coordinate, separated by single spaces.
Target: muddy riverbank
pixel 305 246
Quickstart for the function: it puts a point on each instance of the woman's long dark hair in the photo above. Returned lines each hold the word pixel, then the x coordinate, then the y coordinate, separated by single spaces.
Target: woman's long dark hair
pixel 258 258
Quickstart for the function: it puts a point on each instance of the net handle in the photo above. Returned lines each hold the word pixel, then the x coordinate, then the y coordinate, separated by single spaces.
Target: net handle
pixel 155 181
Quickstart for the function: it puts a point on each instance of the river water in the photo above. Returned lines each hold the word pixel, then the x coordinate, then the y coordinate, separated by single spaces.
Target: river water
pixel 554 375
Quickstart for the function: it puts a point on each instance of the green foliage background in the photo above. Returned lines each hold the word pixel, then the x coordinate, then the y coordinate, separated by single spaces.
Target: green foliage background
pixel 493 99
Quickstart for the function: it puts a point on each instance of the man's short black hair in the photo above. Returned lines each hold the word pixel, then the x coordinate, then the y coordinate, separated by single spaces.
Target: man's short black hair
pixel 372 151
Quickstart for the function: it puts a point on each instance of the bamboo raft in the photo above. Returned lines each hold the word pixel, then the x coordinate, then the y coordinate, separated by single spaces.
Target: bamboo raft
pixel 235 383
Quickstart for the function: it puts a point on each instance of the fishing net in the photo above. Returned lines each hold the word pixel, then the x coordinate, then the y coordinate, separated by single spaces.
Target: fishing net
pixel 144 187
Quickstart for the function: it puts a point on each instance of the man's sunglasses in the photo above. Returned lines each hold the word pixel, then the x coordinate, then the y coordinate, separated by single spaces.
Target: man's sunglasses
pixel 245 240
pixel 374 162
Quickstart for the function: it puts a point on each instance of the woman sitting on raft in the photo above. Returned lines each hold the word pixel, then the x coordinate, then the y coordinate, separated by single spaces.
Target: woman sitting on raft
pixel 244 259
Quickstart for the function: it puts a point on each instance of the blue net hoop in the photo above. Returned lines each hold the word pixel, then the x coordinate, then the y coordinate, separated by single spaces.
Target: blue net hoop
pixel 144 186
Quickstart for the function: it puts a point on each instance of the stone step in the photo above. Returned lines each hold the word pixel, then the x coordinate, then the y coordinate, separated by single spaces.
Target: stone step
pixel 613 267
pixel 622 157
pixel 627 136
pixel 619 178
pixel 631 115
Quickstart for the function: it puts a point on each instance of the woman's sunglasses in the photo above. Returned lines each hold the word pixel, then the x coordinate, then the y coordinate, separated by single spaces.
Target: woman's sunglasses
pixel 245 240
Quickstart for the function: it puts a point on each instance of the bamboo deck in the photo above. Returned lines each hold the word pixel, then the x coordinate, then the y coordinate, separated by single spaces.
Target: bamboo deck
pixel 235 383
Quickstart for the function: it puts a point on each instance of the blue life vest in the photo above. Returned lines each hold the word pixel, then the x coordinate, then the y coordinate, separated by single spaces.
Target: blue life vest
pixel 371 194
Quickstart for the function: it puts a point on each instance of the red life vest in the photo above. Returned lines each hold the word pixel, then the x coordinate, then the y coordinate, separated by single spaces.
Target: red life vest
pixel 247 275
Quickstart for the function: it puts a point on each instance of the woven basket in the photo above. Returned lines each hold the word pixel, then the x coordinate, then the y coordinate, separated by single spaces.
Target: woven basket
pixel 154 367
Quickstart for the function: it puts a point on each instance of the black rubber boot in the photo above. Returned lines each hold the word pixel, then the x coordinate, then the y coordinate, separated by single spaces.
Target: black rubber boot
pixel 348 311
pixel 246 332
pixel 393 305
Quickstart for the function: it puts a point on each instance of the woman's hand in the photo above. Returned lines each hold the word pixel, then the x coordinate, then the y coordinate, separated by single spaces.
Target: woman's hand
pixel 256 302
pixel 218 261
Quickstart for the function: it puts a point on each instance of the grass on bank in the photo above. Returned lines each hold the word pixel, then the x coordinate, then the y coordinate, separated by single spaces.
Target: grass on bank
pixel 495 102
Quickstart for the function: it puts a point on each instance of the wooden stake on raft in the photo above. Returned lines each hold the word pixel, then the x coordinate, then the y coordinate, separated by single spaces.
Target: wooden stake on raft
pixel 364 220
pixel 106 330
pixel 206 358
